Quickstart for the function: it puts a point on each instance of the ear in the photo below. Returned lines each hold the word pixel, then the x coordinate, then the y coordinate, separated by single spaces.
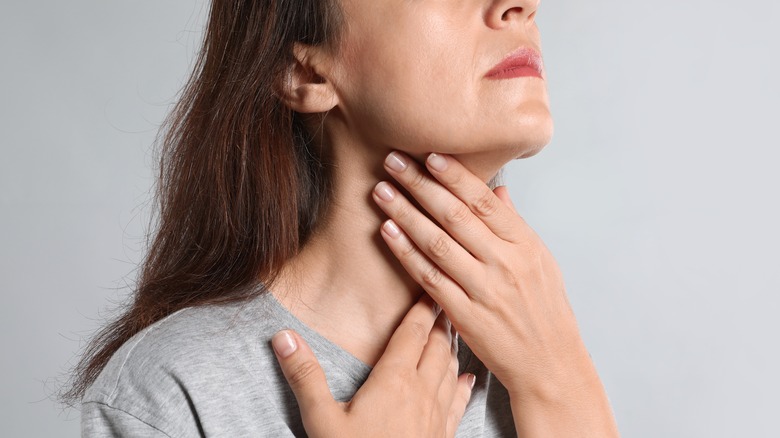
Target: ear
pixel 305 88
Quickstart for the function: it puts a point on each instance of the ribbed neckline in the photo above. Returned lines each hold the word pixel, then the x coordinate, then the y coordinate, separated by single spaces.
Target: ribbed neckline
pixel 357 370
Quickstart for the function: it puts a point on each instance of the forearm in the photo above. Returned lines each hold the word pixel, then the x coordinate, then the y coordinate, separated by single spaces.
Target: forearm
pixel 576 408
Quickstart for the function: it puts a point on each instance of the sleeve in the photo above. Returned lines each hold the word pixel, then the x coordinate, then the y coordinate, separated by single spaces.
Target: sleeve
pixel 498 415
pixel 101 420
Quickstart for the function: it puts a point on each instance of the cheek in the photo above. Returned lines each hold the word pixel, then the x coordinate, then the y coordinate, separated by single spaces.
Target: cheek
pixel 409 95
pixel 413 110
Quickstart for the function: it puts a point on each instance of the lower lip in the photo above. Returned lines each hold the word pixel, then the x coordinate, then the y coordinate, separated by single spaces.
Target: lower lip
pixel 516 72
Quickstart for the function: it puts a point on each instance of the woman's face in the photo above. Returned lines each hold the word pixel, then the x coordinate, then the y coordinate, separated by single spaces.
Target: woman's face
pixel 410 75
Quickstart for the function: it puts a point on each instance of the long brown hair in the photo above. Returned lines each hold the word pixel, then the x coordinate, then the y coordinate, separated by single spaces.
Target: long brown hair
pixel 240 184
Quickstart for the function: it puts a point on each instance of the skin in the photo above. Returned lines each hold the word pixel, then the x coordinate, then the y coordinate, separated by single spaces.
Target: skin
pixel 441 105
pixel 429 93
pixel 415 376
pixel 409 77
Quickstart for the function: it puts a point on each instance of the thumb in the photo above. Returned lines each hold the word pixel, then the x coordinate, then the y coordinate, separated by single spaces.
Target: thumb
pixel 306 378
pixel 503 195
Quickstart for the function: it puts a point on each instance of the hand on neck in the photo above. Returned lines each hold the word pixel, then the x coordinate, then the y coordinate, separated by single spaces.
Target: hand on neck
pixel 345 283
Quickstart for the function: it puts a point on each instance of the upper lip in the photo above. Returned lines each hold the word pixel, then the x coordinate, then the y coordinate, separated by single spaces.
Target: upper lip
pixel 524 56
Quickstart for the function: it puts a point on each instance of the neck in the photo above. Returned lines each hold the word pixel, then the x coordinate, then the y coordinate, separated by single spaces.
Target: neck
pixel 345 283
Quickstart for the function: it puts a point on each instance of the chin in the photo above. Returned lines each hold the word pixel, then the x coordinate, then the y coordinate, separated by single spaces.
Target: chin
pixel 528 152
pixel 487 159
pixel 529 135
pixel 537 134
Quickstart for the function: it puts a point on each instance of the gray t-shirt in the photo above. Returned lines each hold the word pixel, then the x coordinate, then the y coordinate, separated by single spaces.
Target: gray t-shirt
pixel 211 371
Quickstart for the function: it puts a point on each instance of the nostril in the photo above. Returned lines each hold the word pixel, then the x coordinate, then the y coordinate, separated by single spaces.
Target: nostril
pixel 511 11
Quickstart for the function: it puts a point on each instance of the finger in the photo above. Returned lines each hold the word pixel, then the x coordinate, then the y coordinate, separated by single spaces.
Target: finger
pixel 462 396
pixel 452 213
pixel 439 285
pixel 503 194
pixel 435 243
pixel 504 222
pixel 436 357
pixel 409 339
pixel 450 383
pixel 305 376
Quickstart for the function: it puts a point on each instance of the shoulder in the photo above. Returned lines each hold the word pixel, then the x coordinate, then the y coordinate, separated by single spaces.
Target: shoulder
pixel 166 374
pixel 181 340
pixel 100 420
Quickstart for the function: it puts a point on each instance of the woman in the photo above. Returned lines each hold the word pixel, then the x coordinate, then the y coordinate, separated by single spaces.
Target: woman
pixel 269 304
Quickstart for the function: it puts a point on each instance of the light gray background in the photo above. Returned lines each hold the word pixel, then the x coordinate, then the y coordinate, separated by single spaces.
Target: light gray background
pixel 658 195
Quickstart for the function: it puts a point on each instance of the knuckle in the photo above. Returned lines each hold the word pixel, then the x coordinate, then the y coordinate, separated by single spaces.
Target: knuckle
pixel 432 276
pixel 486 204
pixel 417 181
pixel 457 179
pixel 408 249
pixel 440 246
pixel 301 373
pixel 419 331
pixel 401 214
pixel 457 215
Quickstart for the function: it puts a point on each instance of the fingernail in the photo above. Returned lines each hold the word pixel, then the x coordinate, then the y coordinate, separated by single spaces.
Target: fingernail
pixel 384 191
pixel 395 162
pixel 391 228
pixel 437 162
pixel 284 344
pixel 472 379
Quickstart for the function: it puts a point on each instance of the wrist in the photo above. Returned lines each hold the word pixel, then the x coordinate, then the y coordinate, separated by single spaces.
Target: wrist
pixel 578 407
pixel 571 377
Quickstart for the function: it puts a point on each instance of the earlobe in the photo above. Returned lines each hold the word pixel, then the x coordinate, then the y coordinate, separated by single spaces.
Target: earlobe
pixel 306 88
